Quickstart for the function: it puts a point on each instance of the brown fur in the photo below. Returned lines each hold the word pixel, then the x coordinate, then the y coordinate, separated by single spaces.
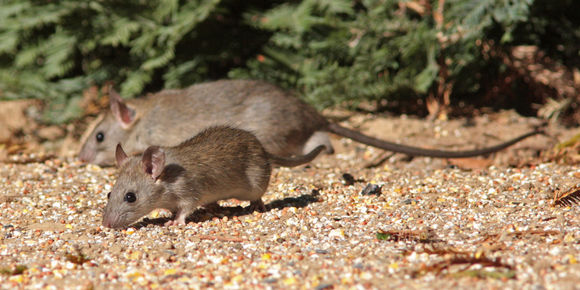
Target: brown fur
pixel 219 163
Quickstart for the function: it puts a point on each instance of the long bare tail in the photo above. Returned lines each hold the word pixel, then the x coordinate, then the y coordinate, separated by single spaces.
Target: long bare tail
pixel 296 160
pixel 417 151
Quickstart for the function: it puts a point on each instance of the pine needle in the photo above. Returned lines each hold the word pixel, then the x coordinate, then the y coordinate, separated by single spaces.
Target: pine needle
pixel 568 197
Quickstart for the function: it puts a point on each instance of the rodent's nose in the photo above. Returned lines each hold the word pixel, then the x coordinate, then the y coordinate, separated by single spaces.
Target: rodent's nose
pixel 86 155
pixel 107 223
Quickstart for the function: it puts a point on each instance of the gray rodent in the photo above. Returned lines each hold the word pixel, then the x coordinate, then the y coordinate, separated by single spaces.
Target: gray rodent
pixel 283 123
pixel 219 163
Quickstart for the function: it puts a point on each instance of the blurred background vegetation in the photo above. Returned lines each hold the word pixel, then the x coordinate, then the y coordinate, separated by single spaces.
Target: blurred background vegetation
pixel 331 52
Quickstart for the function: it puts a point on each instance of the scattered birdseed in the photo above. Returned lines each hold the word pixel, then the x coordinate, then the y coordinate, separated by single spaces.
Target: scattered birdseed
pixel 432 226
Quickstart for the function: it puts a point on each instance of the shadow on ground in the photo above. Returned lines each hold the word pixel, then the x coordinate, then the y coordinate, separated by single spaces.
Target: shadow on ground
pixel 202 215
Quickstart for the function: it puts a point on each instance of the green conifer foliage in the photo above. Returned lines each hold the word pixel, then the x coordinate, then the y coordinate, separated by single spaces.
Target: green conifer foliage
pixel 341 50
pixel 329 51
pixel 53 50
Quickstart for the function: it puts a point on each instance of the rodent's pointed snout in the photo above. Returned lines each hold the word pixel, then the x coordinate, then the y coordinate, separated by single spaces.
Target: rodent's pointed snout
pixel 106 223
pixel 114 222
pixel 109 222
pixel 86 156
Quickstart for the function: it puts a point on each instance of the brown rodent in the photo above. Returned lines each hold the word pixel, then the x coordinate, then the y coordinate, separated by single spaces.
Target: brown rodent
pixel 219 163
pixel 284 124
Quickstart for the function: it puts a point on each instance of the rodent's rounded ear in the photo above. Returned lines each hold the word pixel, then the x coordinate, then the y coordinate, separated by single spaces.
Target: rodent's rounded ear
pixel 124 115
pixel 153 161
pixel 120 155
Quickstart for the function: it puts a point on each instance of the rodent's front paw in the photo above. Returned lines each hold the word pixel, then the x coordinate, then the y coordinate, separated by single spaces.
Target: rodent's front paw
pixel 174 223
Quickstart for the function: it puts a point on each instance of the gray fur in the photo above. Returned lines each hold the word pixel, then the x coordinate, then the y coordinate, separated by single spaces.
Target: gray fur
pixel 284 124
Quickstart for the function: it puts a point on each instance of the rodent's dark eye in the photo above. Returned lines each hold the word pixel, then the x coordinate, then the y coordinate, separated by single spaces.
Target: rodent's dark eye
pixel 130 197
pixel 109 195
pixel 100 137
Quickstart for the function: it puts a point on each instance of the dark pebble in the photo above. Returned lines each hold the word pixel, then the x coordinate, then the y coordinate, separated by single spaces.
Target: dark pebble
pixel 324 287
pixel 371 189
pixel 348 179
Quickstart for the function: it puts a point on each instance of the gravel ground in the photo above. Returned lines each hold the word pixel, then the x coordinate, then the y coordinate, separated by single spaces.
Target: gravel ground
pixel 430 225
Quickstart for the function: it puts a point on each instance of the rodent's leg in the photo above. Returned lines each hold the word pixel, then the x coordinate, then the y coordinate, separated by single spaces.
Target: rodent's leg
pixel 178 218
pixel 257 205
pixel 317 139
pixel 182 210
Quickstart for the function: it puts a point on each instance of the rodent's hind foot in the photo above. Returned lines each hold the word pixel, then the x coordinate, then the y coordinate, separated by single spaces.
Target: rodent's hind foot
pixel 257 205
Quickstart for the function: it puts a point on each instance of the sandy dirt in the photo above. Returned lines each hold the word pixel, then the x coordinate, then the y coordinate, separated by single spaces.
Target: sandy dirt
pixel 486 222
